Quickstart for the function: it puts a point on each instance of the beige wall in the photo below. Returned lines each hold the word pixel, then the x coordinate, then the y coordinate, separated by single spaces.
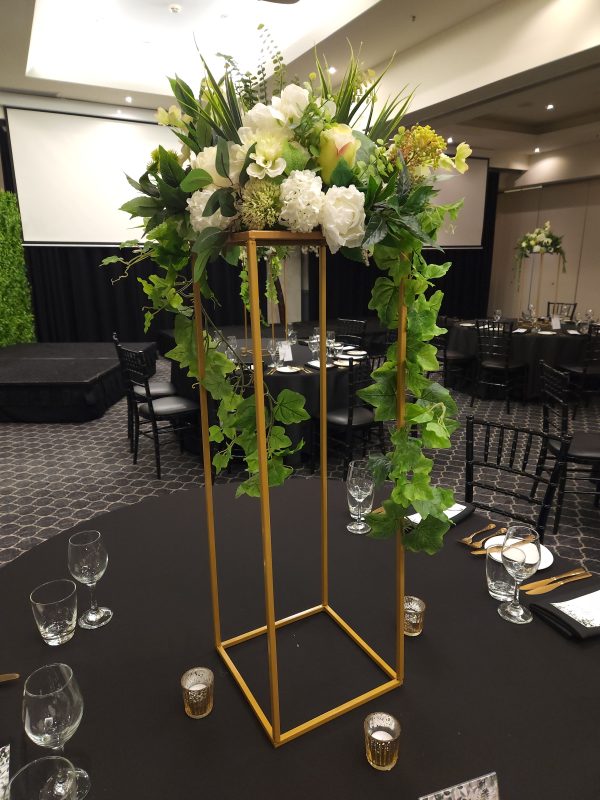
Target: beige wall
pixel 573 210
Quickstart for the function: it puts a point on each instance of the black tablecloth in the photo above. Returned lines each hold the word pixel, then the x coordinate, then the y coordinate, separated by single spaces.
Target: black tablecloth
pixel 480 694
pixel 529 348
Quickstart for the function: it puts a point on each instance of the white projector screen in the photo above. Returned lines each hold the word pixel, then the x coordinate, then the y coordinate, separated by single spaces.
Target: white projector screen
pixel 467 230
pixel 70 174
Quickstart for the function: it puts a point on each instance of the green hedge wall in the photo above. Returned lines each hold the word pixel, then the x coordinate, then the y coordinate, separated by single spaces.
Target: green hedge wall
pixel 16 316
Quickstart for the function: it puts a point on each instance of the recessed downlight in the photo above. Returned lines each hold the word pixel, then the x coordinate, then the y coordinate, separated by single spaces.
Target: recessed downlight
pixel 449 140
pixel 331 70
pixel 129 99
pixel 175 8
pixel 536 149
pixel 550 107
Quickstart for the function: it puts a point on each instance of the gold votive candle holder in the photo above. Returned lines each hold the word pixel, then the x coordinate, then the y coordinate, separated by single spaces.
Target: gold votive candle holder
pixel 382 740
pixel 198 685
pixel 414 615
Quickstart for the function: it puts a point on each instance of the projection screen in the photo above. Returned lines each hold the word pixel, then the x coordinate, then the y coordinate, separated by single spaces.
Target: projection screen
pixel 70 174
pixel 467 230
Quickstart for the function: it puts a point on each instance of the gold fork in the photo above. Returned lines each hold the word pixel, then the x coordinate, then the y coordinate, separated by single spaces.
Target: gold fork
pixel 481 542
pixel 469 539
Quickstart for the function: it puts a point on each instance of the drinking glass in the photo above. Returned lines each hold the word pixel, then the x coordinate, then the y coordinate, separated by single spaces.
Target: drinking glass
pixel 330 342
pixel 589 315
pixel 499 583
pixel 52 711
pixel 497 315
pixel 360 485
pixel 87 560
pixel 54 606
pixel 292 336
pixel 382 740
pixel 367 504
pixel 47 778
pixel 521 555
pixel 278 355
pixel 314 343
pixel 231 348
pixel 272 348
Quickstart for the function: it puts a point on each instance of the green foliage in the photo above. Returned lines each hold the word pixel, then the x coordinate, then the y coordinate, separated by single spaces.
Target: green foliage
pixel 16 318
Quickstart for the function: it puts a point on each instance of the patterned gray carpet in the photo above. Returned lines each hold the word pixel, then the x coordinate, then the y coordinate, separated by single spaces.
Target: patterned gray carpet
pixel 56 476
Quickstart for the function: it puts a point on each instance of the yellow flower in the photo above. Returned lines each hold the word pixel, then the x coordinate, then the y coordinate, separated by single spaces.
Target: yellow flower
pixel 463 151
pixel 337 143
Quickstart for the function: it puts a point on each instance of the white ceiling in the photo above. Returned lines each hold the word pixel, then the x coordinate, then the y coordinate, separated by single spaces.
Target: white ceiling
pixel 103 50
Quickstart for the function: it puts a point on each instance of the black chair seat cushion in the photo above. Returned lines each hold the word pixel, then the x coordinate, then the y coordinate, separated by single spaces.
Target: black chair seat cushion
pixel 362 416
pixel 584 447
pixel 157 389
pixel 577 369
pixel 455 355
pixel 493 363
pixel 168 407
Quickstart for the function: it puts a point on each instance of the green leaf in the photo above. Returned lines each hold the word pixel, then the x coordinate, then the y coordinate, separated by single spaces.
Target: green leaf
pixel 379 464
pixel 375 231
pixel 386 524
pixel 170 169
pixel 427 536
pixel 142 206
pixel 381 394
pixel 184 95
pixel 384 300
pixel 215 434
pixel 195 179
pixel 222 158
pixel 289 407
pixel 278 439
pixel 342 175
pixel 232 255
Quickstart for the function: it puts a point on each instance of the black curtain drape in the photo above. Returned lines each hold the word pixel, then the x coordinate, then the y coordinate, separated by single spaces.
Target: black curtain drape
pixel 465 286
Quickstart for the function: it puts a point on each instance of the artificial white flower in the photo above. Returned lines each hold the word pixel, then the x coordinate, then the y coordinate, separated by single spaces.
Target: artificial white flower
pixel 237 156
pixel 265 167
pixel 290 106
pixel 196 205
pixel 302 200
pixel 342 217
pixel 261 119
pixel 206 160
pixel 267 157
pixel 536 248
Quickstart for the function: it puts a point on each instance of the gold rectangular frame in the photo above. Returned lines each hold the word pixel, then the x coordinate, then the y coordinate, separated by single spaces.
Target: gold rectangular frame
pixel 251 240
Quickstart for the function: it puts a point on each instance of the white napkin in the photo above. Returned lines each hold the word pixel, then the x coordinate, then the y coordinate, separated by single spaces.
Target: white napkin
pixel 584 610
pixel 285 348
pixel 449 512
pixel 520 330
pixel 573 333
pixel 555 322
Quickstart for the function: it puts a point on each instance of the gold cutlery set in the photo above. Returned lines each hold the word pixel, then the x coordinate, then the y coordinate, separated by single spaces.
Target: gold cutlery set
pixel 535 587
pixel 9 676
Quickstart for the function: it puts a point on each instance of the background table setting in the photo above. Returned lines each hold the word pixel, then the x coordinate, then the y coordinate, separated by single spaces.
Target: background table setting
pixel 462 707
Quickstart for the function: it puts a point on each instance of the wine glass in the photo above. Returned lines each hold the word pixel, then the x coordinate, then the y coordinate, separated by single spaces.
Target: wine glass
pixel 292 335
pixel 360 485
pixel 497 315
pixel 272 348
pixel 87 561
pixel 278 355
pixel 231 348
pixel 330 342
pixel 47 778
pixel 521 553
pixel 52 711
pixel 314 344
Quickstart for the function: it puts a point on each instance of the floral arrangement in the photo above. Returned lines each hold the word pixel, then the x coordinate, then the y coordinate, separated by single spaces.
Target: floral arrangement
pixel 541 240
pixel 309 157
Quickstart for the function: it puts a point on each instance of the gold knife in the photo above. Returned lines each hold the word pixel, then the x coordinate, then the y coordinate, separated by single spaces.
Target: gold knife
pixel 556 584
pixel 9 676
pixel 546 581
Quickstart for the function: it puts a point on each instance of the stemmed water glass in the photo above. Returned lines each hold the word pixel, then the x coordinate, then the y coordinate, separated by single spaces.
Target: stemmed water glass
pixel 360 486
pixel 314 344
pixel 497 315
pixel 52 711
pixel 273 349
pixel 330 342
pixel 521 553
pixel 47 778
pixel 87 561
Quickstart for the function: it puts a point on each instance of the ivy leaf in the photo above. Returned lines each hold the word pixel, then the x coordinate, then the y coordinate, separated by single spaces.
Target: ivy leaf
pixel 427 536
pixel 382 393
pixel 384 300
pixel 221 459
pixel 194 180
pixel 185 346
pixel 386 523
pixel 278 439
pixel 431 271
pixel 289 407
pixel 426 356
pixel 435 436
pixel 379 465
pixel 215 434
pixel 232 255
pixel 222 158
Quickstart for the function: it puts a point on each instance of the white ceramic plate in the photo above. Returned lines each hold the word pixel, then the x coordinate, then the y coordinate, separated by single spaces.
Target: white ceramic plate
pixel 520 330
pixel 467 324
pixel 288 368
pixel 356 353
pixel 546 560
pixel 348 347
pixel 317 364
pixel 547 333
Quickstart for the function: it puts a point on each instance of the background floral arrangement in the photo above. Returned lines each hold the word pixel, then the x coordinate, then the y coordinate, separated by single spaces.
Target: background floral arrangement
pixel 541 240
pixel 309 157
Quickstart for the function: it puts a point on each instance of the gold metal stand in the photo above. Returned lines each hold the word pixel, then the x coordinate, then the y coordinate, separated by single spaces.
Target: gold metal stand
pixel 395 675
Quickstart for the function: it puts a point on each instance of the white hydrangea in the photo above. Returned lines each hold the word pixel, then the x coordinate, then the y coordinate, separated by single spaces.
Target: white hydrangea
pixel 196 205
pixel 342 217
pixel 302 200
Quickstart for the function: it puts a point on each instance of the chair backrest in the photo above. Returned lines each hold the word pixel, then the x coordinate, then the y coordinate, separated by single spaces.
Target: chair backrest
pixel 507 460
pixel 494 340
pixel 564 310
pixel 359 377
pixel 591 350
pixel 351 331
pixel 136 366
pixel 556 394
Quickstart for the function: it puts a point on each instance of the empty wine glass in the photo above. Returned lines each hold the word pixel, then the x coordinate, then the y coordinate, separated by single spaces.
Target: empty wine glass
pixel 87 561
pixel 589 315
pixel 497 314
pixel 52 711
pixel 272 348
pixel 360 485
pixel 231 348
pixel 521 555
pixel 47 778
pixel 278 355
pixel 292 336
pixel 314 343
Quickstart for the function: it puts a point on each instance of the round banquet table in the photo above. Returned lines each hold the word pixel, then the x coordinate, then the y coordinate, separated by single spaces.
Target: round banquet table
pixel 480 694
pixel 530 348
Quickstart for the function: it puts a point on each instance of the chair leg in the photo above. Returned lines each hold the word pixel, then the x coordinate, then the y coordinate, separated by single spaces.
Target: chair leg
pixel 136 433
pixel 560 495
pixel 156 448
pixel 130 422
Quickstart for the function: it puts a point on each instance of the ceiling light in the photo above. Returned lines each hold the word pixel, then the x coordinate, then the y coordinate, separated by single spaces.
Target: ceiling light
pixel 536 149
pixel 119 112
pixel 175 8
pixel 331 70
pixel 129 99
pixel 449 140
pixel 550 107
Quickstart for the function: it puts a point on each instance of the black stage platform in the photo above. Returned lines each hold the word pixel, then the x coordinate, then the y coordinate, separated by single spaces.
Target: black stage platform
pixel 60 382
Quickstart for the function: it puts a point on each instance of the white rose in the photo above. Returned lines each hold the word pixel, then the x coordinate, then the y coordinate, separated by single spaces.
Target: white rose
pixel 302 200
pixel 206 160
pixel 196 205
pixel 536 248
pixel 342 217
pixel 262 119
pixel 290 106
pixel 237 156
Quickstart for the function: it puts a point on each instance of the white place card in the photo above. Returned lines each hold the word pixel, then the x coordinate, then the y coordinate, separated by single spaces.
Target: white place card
pixel 4 771
pixel 449 512
pixel 483 788
pixel 585 610
pixel 286 351
pixel 555 322
pixel 520 330
pixel 573 333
